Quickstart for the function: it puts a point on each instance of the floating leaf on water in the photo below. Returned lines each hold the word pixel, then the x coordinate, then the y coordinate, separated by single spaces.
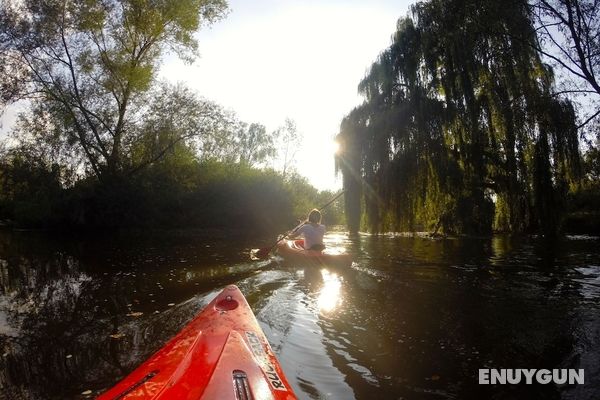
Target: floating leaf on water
pixel 117 335
pixel 135 314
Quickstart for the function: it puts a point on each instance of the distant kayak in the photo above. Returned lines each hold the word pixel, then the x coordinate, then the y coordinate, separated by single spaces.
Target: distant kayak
pixel 221 354
pixel 293 252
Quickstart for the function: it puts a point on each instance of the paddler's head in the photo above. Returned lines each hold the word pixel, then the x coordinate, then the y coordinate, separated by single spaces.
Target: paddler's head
pixel 314 217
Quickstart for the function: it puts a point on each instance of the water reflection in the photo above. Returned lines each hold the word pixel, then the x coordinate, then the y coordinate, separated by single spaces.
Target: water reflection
pixel 330 294
pixel 412 317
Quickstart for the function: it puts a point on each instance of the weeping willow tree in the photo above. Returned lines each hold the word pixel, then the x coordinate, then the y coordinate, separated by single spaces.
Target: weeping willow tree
pixel 460 129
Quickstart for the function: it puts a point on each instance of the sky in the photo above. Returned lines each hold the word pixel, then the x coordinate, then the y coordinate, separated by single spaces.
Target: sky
pixel 269 60
pixel 272 60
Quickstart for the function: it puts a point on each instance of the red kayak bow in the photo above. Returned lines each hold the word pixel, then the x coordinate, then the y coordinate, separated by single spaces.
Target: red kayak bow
pixel 221 354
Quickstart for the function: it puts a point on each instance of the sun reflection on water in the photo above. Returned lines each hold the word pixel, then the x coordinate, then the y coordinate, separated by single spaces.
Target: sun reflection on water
pixel 334 243
pixel 330 295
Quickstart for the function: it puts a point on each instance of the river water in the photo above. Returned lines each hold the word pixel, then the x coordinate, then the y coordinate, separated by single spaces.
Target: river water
pixel 412 318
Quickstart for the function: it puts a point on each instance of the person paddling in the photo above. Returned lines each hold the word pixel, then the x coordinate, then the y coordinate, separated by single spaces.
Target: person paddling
pixel 312 231
pixel 264 252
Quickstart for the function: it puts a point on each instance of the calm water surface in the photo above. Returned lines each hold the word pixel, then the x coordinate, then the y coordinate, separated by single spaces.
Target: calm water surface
pixel 413 318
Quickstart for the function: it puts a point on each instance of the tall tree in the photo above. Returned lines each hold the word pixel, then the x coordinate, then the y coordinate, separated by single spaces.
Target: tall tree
pixel 255 145
pixel 569 36
pixel 88 63
pixel 232 141
pixel 166 116
pixel 174 115
pixel 459 127
pixel 288 140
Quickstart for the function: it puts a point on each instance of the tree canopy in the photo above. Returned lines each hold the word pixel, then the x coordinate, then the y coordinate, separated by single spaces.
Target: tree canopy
pixel 86 68
pixel 459 129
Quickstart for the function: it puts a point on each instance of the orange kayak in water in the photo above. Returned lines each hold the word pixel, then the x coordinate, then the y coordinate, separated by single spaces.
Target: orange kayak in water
pixel 293 252
pixel 221 354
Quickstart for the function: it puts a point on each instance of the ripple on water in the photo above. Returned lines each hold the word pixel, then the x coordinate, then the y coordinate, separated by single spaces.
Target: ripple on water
pixel 412 318
pixel 590 282
pixel 291 322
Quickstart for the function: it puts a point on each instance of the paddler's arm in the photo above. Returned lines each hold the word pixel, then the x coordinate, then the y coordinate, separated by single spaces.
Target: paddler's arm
pixel 294 233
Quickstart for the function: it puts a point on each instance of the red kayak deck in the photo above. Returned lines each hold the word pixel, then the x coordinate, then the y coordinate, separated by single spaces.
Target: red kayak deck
pixel 221 354
pixel 293 251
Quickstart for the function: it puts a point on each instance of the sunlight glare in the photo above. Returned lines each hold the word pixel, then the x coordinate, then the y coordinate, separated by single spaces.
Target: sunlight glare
pixel 330 294
pixel 335 147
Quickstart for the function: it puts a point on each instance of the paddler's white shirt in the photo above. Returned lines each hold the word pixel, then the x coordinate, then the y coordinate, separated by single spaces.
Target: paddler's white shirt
pixel 313 234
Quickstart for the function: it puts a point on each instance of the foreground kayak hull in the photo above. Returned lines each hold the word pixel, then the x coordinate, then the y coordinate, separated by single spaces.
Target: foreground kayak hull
pixel 221 354
pixel 293 252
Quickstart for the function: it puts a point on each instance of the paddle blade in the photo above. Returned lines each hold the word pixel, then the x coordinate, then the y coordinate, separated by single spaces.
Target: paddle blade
pixel 260 254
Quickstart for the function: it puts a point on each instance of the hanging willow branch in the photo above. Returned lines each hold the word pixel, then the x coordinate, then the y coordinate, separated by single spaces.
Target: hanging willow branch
pixel 460 128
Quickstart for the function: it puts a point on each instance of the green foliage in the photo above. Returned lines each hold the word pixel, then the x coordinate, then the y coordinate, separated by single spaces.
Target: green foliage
pixel 182 192
pixel 177 191
pixel 242 197
pixel 255 145
pixel 30 190
pixel 105 145
pixel 235 141
pixel 584 209
pixel 592 161
pixel 305 197
pixel 458 118
pixel 87 66
pixel 189 163
pixel 177 116
pixel 584 198
pixel 287 140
